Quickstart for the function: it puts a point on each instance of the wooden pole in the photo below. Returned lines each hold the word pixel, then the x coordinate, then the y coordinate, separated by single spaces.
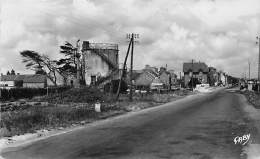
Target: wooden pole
pixel 127 53
pixel 131 70
pixel 192 75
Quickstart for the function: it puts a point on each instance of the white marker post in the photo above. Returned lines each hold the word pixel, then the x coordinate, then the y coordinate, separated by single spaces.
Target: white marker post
pixel 98 107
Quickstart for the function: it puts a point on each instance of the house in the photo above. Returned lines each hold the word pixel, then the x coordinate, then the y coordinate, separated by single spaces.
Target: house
pixel 168 78
pixel 223 78
pixel 25 81
pixel 34 81
pixel 213 77
pixel 198 70
pixel 8 81
pixel 145 79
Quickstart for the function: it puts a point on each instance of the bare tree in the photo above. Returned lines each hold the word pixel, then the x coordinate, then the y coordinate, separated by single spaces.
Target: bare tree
pixel 36 62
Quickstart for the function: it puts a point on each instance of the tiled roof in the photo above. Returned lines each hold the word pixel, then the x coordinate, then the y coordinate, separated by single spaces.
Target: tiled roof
pixel 197 67
pixel 24 78
pixel 9 77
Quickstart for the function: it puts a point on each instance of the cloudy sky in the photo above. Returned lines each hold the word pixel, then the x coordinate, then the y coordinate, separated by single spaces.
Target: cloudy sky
pixel 221 33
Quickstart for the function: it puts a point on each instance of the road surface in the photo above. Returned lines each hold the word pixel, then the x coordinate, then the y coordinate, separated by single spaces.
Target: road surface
pixel 200 126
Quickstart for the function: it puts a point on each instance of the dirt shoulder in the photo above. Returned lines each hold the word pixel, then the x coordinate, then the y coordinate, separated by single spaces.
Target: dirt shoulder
pixel 251 107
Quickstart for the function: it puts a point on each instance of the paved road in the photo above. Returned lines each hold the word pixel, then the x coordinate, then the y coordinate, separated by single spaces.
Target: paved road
pixel 201 126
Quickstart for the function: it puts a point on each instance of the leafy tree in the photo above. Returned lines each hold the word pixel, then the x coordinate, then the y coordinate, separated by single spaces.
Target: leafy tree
pixel 67 64
pixel 8 73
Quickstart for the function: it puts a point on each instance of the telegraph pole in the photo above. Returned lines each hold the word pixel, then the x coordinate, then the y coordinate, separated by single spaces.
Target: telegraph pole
pixel 131 70
pixel 180 80
pixel 258 42
pixel 133 36
pixel 123 70
pixel 249 69
pixel 192 75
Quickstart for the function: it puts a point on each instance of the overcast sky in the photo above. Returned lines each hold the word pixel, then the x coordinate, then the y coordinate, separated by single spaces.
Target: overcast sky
pixel 221 33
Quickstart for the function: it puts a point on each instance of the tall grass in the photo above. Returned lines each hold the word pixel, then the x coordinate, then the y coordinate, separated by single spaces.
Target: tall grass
pixel 35 118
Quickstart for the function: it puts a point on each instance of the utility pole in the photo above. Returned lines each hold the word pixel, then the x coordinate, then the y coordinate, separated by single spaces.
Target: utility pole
pixel 258 42
pixel 123 70
pixel 192 75
pixel 133 36
pixel 180 80
pixel 131 45
pixel 249 69
pixel 131 69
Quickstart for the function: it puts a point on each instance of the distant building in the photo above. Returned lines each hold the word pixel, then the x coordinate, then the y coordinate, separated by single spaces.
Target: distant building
pixel 223 78
pixel 213 76
pixel 199 71
pixel 25 81
pixel 144 80
pixel 168 78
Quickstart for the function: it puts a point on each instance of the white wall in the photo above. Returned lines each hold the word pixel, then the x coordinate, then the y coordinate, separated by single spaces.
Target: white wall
pixel 8 83
pixel 33 85
pixel 95 66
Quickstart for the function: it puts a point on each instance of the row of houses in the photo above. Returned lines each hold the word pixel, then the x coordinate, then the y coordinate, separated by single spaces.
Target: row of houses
pixel 147 78
pixel 154 78
pixel 100 63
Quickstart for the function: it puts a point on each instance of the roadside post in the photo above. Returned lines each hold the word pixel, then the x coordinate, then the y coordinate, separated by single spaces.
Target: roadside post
pixel 98 107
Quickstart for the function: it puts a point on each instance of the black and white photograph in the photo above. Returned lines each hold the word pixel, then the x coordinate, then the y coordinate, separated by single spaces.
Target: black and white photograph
pixel 129 79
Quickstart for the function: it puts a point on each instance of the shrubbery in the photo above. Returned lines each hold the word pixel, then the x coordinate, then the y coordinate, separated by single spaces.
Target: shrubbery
pixel 113 86
pixel 81 95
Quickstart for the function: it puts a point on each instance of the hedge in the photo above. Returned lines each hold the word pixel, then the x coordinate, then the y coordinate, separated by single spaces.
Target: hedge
pixel 19 93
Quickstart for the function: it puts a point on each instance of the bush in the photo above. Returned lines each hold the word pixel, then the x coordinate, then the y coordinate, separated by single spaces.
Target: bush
pixel 81 95
pixel 115 85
